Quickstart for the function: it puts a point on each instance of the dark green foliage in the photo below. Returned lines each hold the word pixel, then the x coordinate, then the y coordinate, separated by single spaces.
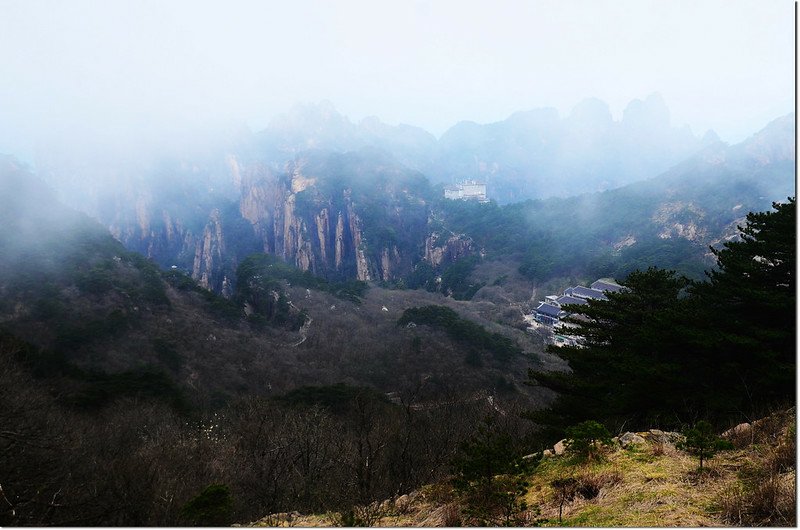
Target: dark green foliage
pixel 490 477
pixel 97 281
pixel 500 280
pixel 471 335
pixel 152 288
pixel 629 351
pixel 500 230
pixel 565 237
pixel 259 285
pixel 423 276
pixel 539 263
pixel 93 389
pixel 576 236
pixel 51 305
pixel 72 334
pixel 748 307
pixel 666 349
pixel 456 279
pixel 39 363
pixel 180 280
pixel 168 354
pixel 587 439
pixel 485 455
pixel 212 507
pixel 222 308
pixel 703 442
pixel 674 253
pixel 473 358
pixel 503 385
pixel 260 273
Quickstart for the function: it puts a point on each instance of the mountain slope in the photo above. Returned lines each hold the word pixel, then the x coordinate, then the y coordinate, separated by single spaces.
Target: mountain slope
pixel 95 311
pixel 666 221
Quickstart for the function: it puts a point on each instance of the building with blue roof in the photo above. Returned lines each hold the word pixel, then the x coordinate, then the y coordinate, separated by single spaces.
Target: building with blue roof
pixel 550 312
pixel 567 299
pixel 606 285
pixel 586 293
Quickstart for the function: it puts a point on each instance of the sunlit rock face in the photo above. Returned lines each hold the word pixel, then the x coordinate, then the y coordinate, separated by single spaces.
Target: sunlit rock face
pixel 355 216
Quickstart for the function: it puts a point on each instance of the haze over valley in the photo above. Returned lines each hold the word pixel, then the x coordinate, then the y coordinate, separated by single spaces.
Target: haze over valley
pixel 237 286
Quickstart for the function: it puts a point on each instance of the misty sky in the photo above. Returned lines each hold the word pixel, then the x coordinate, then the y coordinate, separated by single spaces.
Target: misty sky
pixel 71 66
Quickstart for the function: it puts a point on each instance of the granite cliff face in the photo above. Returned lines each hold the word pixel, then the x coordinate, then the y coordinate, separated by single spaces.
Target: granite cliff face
pixel 326 239
pixel 338 216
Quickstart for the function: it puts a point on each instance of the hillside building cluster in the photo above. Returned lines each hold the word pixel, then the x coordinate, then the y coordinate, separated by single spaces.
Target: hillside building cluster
pixel 551 314
pixel 467 190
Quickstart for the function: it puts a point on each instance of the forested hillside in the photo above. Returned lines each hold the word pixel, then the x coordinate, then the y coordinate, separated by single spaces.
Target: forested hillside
pixel 157 402
pixel 335 334
pixel 667 349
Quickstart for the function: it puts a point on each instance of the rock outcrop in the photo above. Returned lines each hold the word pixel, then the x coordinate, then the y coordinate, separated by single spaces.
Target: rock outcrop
pixel 440 249
pixel 316 223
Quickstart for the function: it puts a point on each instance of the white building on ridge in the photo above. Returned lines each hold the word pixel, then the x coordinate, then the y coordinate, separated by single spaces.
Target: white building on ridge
pixel 467 190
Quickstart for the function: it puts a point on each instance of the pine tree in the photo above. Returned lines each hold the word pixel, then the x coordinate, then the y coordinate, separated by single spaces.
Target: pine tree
pixel 629 362
pixel 665 350
pixel 702 441
pixel 747 308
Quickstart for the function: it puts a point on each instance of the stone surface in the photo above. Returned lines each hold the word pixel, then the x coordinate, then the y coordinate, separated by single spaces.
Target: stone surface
pixel 630 438
pixel 741 429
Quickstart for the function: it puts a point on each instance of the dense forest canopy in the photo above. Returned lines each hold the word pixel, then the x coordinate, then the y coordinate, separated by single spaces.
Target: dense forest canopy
pixel 667 350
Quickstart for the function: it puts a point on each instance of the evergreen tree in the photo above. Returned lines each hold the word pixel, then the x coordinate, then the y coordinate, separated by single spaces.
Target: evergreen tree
pixel 747 313
pixel 587 439
pixel 629 362
pixel 490 478
pixel 665 350
pixel 703 442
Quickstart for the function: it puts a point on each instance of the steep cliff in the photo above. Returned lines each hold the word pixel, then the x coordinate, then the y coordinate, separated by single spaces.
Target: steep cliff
pixel 355 216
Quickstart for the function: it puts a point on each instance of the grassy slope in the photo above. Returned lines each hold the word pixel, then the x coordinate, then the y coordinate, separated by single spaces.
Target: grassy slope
pixel 638 487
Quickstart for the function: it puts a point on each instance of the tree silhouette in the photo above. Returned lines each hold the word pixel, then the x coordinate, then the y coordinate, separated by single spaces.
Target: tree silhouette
pixel 703 442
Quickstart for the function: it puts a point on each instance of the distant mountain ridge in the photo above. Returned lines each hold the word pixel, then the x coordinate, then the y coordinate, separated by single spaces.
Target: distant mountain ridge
pixel 671 220
pixel 531 154
pixel 315 190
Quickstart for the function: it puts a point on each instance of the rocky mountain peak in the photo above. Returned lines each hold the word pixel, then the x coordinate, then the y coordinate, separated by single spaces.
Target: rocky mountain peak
pixel 650 114
pixel 773 143
pixel 591 111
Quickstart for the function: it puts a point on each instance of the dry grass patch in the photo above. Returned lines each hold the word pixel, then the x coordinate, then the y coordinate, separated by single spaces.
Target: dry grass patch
pixel 632 488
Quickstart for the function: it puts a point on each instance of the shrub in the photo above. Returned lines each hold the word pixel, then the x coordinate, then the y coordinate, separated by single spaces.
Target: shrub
pixel 451 516
pixel 587 439
pixel 565 489
pixel 364 516
pixel 703 442
pixel 490 479
pixel 212 507
pixel 472 335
